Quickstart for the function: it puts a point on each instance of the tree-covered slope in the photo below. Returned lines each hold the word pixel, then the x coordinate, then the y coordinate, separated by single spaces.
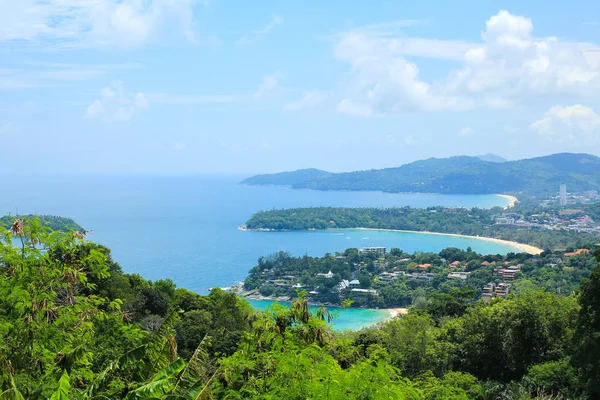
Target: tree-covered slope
pixel 492 158
pixel 464 175
pixel 53 222
pixel 73 325
pixel 291 178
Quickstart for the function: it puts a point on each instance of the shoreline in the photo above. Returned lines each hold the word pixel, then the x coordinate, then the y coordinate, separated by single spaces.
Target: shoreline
pixel 512 199
pixel 386 314
pixel 527 248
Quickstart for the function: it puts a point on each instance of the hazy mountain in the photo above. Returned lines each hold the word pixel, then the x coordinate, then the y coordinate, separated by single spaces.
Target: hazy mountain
pixel 492 158
pixel 461 174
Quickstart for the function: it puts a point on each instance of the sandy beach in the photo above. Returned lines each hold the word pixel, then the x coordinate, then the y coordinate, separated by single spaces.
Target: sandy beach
pixel 397 312
pixel 512 200
pixel 523 247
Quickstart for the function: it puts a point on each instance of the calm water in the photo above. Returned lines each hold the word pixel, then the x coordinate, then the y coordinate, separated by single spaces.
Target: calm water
pixel 352 318
pixel 185 227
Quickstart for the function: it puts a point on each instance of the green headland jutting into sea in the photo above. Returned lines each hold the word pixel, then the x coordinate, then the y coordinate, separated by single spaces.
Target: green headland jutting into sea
pixel 461 175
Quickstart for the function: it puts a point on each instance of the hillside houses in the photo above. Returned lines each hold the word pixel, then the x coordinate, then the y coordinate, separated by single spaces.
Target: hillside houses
pixel 508 274
pixel 459 275
pixel 393 280
pixel 492 291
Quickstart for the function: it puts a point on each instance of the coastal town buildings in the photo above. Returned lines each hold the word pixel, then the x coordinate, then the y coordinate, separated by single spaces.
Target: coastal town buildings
pixel 458 275
pixel 566 219
pixel 379 250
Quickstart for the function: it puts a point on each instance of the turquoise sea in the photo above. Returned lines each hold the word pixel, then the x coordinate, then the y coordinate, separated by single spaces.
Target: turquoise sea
pixel 185 227
pixel 351 318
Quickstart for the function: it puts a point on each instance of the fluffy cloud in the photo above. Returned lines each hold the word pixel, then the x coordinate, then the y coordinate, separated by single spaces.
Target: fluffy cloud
pixel 385 83
pixel 509 66
pixel 101 22
pixel 310 99
pixel 268 85
pixel 567 124
pixel 114 105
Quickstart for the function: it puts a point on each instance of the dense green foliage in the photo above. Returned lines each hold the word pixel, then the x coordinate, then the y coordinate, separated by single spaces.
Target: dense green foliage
pixel 68 312
pixel 53 222
pixel 474 222
pixel 280 274
pixel 464 175
pixel 74 326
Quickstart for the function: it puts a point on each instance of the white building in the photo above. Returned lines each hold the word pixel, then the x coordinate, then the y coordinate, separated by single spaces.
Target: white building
pixel 563 195
pixel 344 284
pixel 367 291
pixel 328 275
pixel 458 275
pixel 505 221
pixel 379 250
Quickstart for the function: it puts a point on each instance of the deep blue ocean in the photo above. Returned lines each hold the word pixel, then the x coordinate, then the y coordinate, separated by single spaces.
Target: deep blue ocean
pixel 185 227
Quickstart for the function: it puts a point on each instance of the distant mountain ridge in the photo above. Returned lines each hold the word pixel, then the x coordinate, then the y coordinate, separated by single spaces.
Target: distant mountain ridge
pixel 492 158
pixel 289 178
pixel 455 175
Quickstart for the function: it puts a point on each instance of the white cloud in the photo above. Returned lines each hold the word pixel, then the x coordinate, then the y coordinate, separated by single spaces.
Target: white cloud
pixel 465 131
pixel 508 30
pixel 257 34
pixel 115 105
pixel 567 124
pixel 267 86
pixel 310 99
pixel 392 28
pixel 92 23
pixel 52 74
pixel 507 68
pixel 514 66
pixel 388 84
pixel 96 109
pixel 496 102
pixel 167 98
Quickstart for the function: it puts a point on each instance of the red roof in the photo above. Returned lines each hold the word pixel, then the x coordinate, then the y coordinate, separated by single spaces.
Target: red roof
pixel 576 253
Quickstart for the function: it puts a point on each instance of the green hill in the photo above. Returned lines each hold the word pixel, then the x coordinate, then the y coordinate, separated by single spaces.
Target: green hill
pixel 458 175
pixel 291 178
pixel 492 158
pixel 51 221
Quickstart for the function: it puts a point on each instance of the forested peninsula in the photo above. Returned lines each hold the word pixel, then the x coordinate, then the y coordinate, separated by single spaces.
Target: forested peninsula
pixel 374 278
pixel 471 222
pixel 53 222
pixel 73 325
pixel 455 175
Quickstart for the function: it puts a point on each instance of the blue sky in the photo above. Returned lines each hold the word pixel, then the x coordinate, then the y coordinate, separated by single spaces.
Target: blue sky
pixel 216 86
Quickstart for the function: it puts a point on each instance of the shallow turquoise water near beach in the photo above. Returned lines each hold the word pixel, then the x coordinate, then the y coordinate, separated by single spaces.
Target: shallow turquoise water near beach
pixel 351 318
pixel 185 227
